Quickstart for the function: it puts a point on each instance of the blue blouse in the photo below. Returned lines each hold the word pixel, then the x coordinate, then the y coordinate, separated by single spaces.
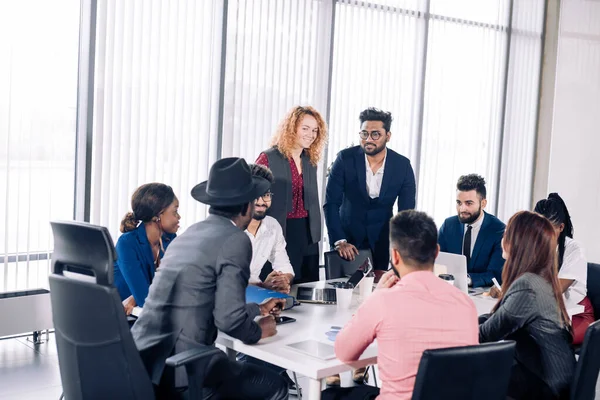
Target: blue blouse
pixel 134 268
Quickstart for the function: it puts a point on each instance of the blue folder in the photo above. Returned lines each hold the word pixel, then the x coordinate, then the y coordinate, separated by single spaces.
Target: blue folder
pixel 256 294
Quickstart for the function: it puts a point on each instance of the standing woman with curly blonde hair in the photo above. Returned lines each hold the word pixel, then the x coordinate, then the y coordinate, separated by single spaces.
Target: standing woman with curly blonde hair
pixel 297 147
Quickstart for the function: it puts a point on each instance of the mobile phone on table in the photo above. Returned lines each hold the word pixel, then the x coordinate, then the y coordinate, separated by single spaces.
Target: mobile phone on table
pixel 284 320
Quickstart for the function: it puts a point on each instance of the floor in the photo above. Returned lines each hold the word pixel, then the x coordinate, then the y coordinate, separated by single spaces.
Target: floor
pixel 30 371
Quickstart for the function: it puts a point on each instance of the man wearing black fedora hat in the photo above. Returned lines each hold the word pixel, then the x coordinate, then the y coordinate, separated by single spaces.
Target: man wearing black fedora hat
pixel 200 288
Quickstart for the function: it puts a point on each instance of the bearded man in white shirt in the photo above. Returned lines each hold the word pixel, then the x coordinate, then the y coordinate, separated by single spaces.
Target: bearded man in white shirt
pixel 268 243
pixel 269 259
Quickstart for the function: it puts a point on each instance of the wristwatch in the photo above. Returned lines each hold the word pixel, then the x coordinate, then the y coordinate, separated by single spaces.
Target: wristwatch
pixel 469 280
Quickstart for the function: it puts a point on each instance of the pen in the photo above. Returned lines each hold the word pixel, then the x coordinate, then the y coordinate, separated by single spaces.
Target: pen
pixel 497 284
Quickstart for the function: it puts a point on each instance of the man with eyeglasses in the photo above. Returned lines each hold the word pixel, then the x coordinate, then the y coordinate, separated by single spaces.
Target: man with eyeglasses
pixel 364 183
pixel 270 266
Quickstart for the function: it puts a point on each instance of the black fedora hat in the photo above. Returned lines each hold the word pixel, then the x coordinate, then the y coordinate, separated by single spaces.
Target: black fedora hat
pixel 230 183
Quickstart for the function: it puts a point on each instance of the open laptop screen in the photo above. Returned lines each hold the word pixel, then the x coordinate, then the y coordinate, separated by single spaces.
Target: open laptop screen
pixel 314 295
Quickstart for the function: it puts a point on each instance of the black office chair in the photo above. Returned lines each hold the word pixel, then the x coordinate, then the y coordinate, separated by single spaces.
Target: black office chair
pixel 593 287
pixel 336 267
pixel 588 366
pixel 97 356
pixel 465 373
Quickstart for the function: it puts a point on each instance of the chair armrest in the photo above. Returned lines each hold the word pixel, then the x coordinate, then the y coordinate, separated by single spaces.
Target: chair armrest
pixel 188 356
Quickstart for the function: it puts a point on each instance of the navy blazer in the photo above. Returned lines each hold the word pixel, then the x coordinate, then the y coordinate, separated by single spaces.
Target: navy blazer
pixel 349 211
pixel 134 268
pixel 486 260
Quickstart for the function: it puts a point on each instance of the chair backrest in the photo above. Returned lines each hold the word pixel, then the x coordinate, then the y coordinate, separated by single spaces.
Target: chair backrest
pixel 96 352
pixel 586 372
pixel 463 373
pixel 337 267
pixel 593 287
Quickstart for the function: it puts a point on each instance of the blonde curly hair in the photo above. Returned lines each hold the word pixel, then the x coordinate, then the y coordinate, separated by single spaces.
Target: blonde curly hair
pixel 285 136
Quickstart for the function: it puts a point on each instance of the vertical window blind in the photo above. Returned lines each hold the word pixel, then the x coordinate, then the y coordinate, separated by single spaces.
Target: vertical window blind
pixel 520 123
pixel 277 57
pixel 462 115
pixel 155 102
pixel 377 62
pixel 38 99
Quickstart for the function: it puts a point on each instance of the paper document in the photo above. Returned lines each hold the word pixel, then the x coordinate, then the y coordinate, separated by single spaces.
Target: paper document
pixel 137 311
pixel 314 348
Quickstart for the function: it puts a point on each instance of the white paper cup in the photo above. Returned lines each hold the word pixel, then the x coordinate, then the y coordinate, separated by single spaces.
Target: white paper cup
pixel 366 286
pixel 344 297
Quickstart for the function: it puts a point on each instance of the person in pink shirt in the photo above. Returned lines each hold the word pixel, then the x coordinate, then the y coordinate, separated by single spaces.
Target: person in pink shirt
pixel 412 310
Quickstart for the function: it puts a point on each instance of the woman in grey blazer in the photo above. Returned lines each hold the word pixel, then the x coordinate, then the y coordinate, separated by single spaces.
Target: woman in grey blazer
pixel 295 151
pixel 531 311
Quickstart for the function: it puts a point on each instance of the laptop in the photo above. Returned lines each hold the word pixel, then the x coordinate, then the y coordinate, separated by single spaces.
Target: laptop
pixel 456 265
pixel 306 294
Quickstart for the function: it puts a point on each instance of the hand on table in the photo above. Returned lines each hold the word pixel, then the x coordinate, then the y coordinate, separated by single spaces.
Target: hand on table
pixel 271 307
pixel 128 305
pixel 388 280
pixel 347 251
pixel 267 326
pixel 278 281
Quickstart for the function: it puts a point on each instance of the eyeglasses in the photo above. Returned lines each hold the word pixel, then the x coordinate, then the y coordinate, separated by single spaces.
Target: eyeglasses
pixel 364 135
pixel 267 196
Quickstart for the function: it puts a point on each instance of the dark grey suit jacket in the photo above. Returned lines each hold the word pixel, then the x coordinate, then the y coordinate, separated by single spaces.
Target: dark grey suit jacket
pixel 529 315
pixel 199 288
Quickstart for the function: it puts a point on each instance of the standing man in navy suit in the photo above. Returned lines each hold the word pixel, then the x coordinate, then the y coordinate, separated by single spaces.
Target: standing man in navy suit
pixel 363 185
pixel 474 233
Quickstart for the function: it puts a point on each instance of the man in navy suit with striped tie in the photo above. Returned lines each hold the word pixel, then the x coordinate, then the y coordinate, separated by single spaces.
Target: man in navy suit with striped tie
pixel 474 233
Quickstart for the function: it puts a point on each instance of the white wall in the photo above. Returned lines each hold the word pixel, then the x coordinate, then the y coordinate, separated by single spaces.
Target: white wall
pixel 574 168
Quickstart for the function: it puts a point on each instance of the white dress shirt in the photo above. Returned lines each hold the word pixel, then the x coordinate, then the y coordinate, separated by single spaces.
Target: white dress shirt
pixel 373 183
pixel 374 179
pixel 474 231
pixel 268 245
pixel 574 267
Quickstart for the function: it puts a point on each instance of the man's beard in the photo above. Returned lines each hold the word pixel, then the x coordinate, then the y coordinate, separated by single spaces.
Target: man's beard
pixel 259 215
pixel 375 151
pixel 471 219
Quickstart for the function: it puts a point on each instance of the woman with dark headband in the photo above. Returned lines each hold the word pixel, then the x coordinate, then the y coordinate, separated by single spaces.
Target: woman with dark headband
pixel 147 231
pixel 572 264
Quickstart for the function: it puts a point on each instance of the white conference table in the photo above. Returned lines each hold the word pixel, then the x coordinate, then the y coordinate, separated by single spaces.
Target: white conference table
pixel 312 321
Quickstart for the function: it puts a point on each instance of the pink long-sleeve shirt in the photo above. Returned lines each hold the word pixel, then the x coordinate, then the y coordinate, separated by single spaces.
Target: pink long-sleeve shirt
pixel 420 312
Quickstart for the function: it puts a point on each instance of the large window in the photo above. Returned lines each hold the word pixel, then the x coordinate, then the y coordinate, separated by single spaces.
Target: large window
pixel 38 99
pixel 377 62
pixel 178 84
pixel 156 99
pixel 277 57
pixel 460 103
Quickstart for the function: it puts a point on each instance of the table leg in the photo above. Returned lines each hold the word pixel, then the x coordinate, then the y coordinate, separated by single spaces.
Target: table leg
pixel 314 389
pixel 231 354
